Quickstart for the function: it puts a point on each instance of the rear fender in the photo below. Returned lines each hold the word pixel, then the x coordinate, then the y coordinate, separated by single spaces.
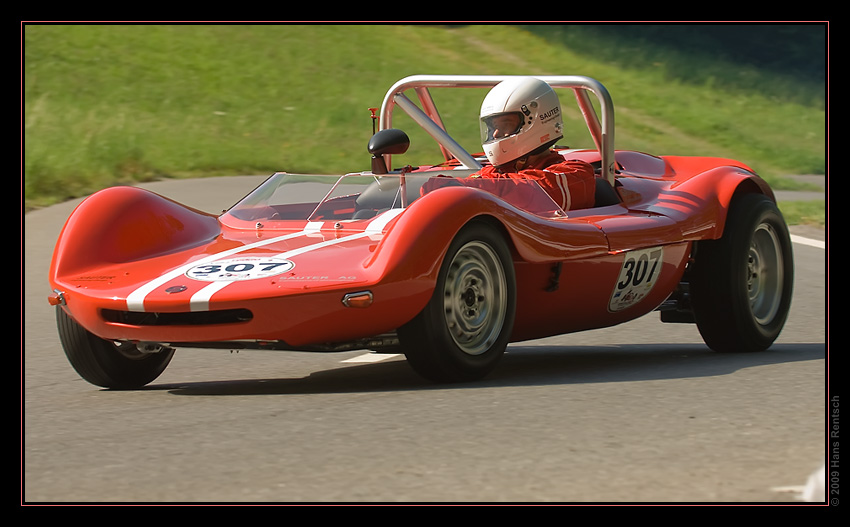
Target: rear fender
pixel 700 204
pixel 721 184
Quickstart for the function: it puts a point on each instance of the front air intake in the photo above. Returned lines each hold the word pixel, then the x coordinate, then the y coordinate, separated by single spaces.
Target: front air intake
pixel 199 318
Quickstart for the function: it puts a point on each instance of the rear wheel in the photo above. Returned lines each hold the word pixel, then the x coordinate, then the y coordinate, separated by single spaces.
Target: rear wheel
pixel 464 330
pixel 741 284
pixel 106 363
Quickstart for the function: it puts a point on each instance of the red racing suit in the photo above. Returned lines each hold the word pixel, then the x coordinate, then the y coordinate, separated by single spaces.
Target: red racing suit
pixel 570 184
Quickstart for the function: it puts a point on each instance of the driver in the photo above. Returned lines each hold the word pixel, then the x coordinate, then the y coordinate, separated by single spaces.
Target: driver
pixel 520 121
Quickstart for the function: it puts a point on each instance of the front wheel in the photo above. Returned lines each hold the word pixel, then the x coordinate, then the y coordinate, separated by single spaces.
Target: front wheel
pixel 464 330
pixel 108 364
pixel 741 284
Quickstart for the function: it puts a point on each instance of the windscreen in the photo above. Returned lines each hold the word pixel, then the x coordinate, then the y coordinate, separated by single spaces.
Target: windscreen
pixel 299 197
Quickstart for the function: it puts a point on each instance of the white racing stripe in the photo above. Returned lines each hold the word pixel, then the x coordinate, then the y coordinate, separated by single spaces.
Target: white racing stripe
pixel 136 299
pixel 200 300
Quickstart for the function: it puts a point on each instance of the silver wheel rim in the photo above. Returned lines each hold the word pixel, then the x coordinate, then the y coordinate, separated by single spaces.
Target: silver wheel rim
pixel 765 273
pixel 475 300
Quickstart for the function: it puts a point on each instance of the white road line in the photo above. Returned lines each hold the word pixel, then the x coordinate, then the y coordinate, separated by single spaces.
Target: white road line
pixel 808 241
pixel 371 357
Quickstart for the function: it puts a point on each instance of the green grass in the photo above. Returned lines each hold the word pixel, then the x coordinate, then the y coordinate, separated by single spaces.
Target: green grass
pixel 109 104
pixel 804 212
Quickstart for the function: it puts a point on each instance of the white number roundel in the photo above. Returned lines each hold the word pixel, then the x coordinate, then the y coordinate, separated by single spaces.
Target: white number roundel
pixel 246 268
pixel 638 275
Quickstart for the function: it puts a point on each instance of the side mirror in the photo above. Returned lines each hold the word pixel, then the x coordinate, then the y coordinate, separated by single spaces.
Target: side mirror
pixel 389 141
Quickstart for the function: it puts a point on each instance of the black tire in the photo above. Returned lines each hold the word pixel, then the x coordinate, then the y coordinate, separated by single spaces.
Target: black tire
pixel 105 363
pixel 741 284
pixel 464 330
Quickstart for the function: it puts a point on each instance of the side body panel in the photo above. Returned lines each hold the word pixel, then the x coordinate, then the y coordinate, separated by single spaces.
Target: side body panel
pixel 600 292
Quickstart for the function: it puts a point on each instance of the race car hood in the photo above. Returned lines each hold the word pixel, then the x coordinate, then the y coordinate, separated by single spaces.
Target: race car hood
pixel 236 265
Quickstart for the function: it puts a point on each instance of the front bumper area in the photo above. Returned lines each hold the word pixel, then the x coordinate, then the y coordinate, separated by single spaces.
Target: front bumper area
pixel 314 320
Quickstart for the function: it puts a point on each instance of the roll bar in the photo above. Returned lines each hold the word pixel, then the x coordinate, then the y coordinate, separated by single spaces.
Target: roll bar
pixel 601 129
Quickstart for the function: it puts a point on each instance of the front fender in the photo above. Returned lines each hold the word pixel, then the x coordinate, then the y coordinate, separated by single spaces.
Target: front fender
pixel 124 224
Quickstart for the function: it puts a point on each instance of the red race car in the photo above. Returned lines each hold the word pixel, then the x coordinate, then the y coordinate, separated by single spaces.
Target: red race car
pixel 432 262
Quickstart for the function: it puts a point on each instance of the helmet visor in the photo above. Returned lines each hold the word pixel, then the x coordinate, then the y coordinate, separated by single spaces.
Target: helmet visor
pixel 500 125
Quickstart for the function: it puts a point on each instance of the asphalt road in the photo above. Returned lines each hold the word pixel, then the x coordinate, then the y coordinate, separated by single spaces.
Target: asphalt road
pixel 643 412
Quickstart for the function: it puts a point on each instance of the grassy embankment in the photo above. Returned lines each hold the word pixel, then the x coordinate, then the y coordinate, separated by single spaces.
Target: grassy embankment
pixel 107 105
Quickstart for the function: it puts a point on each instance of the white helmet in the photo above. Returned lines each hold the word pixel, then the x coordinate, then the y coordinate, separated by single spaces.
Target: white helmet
pixel 532 113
